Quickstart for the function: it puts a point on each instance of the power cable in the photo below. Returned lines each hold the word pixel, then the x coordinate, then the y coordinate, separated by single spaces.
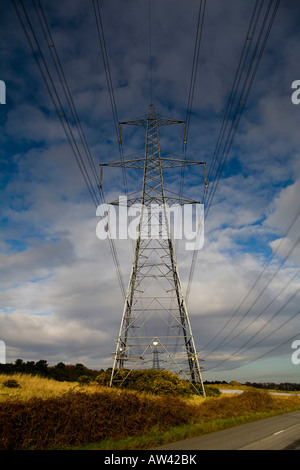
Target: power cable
pixel 102 42
pixel 197 46
pixel 268 352
pixel 243 96
pixel 60 72
pixel 150 52
pixel 263 270
pixel 235 85
pixel 263 311
pixel 269 334
pixel 103 47
pixel 242 60
pixel 244 93
pixel 261 293
pixel 54 96
pixel 268 323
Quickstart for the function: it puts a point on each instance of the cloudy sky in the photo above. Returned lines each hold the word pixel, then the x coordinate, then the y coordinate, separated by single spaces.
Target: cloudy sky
pixel 60 299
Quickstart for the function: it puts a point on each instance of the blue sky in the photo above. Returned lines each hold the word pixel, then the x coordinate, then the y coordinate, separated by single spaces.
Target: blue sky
pixel 59 294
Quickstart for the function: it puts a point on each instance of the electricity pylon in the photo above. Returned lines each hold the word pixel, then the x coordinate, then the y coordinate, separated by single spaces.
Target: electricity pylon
pixel 155 318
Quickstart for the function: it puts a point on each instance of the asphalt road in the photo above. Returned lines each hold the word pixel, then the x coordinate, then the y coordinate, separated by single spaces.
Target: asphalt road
pixel 276 433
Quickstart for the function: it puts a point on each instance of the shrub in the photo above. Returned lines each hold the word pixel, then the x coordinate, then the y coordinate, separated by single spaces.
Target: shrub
pixel 84 379
pixel 78 418
pixel 235 383
pixel 212 391
pixel 227 407
pixel 103 378
pixel 158 382
pixel 11 383
pixel 255 400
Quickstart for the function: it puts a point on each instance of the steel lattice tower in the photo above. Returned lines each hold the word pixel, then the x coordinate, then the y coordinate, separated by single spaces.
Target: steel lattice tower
pixel 155 321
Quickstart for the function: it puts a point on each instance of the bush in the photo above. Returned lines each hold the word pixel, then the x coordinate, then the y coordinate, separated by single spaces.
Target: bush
pixel 212 391
pixel 158 382
pixel 11 383
pixel 234 383
pixel 78 418
pixel 103 378
pixel 246 402
pixel 256 400
pixel 84 379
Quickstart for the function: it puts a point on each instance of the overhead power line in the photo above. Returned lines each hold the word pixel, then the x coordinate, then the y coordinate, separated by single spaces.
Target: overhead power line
pixel 237 78
pixel 150 52
pixel 249 69
pixel 62 78
pixel 196 55
pixel 28 28
pixel 53 93
pixel 262 328
pixel 266 353
pixel 199 33
pixel 295 244
pixel 103 47
pixel 104 53
pixel 279 293
pixel 262 272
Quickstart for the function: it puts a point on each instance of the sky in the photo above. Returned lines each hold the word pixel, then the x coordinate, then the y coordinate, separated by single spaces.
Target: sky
pixel 60 299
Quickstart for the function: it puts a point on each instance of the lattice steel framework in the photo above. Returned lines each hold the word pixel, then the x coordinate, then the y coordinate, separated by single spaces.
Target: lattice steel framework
pixel 155 328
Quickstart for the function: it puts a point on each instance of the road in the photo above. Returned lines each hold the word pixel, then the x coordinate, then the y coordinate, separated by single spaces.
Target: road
pixel 275 433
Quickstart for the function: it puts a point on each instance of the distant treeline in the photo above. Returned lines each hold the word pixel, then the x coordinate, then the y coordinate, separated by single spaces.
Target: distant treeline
pixel 61 372
pixel 287 386
pixel 71 373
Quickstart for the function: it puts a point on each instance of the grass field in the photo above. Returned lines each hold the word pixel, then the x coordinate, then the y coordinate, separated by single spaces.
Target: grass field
pixel 38 387
pixel 47 414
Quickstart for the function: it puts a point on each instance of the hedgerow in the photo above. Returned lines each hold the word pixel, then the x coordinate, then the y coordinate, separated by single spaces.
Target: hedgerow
pixel 80 417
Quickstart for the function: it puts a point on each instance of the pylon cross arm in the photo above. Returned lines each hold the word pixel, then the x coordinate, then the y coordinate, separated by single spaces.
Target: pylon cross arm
pixel 140 162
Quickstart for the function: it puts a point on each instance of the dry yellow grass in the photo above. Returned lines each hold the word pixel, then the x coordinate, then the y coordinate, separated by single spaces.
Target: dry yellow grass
pixel 34 386
pixel 233 386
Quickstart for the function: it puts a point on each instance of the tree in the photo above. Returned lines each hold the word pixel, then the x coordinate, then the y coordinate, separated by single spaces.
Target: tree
pixel 41 368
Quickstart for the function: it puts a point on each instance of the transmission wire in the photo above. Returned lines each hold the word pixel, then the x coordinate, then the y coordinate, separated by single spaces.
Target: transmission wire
pixel 63 118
